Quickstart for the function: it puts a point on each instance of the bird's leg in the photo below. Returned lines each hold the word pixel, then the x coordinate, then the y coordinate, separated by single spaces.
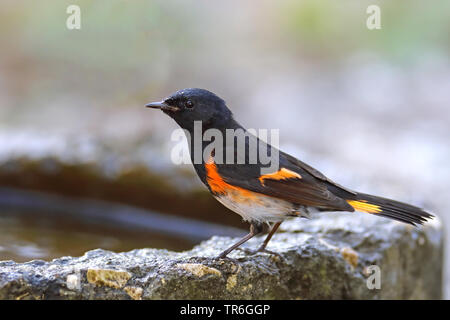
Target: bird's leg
pixel 262 248
pixel 269 236
pixel 255 228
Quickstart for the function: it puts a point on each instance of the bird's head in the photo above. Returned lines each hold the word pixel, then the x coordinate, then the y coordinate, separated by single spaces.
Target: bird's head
pixel 189 105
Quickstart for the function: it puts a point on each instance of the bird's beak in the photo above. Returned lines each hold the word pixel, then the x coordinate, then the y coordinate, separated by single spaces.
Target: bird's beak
pixel 161 105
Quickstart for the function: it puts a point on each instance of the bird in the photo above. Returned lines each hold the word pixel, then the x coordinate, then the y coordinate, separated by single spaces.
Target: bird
pixel 249 188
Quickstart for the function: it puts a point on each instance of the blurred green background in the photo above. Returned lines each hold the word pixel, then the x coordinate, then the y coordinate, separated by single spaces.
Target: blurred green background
pixel 369 108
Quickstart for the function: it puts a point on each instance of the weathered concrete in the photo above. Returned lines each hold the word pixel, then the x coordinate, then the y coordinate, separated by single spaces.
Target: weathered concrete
pixel 323 258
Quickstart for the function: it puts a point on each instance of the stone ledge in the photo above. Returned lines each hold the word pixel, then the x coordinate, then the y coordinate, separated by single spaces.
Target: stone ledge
pixel 323 258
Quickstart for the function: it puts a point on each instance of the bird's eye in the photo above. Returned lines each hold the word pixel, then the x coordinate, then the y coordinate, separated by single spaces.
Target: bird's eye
pixel 189 104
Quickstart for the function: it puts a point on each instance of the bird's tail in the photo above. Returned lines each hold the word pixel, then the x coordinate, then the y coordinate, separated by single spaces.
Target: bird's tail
pixel 389 208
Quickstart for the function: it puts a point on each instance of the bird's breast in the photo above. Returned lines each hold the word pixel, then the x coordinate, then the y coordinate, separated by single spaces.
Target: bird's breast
pixel 252 206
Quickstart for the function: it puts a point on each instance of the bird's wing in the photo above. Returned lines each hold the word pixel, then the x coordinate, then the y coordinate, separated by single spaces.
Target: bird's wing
pixel 314 172
pixel 290 182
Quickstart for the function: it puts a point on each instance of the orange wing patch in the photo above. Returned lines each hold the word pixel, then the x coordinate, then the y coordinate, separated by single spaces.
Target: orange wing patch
pixel 281 174
pixel 216 182
pixel 363 206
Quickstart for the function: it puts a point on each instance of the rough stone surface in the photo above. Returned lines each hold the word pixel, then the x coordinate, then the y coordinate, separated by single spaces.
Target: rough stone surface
pixel 323 258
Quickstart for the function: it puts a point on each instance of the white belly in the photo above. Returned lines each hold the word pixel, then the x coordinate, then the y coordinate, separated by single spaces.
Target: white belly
pixel 258 207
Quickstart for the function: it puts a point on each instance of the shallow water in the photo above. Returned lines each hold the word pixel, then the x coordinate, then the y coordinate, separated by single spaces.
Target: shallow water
pixel 38 225
pixel 26 236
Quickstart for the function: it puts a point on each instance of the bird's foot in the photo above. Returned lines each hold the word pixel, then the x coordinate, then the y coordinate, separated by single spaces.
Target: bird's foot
pixel 224 256
pixel 260 249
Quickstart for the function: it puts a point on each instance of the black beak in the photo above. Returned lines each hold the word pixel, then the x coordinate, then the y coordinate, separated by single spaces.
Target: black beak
pixel 162 105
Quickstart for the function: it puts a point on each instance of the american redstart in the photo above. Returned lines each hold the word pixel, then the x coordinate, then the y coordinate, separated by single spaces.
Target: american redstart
pixel 293 189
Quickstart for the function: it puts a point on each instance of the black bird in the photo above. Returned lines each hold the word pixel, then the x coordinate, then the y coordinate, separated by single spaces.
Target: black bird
pixel 294 189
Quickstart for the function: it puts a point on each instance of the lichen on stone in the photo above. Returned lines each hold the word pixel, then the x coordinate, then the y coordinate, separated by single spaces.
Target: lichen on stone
pixel 111 278
pixel 199 270
pixel 134 292
pixel 350 255
pixel 231 282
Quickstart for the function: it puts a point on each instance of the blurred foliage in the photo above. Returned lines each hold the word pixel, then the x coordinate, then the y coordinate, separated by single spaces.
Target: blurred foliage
pixel 158 46
pixel 408 27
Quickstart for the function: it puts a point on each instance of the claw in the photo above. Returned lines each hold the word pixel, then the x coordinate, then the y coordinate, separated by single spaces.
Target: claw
pixel 271 252
pixel 247 251
pixel 261 249
pixel 220 257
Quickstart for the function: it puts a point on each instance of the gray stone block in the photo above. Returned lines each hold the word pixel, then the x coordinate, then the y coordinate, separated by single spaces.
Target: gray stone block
pixel 328 257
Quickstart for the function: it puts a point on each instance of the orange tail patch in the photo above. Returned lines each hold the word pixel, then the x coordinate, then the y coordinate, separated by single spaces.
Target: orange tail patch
pixel 364 206
pixel 281 174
